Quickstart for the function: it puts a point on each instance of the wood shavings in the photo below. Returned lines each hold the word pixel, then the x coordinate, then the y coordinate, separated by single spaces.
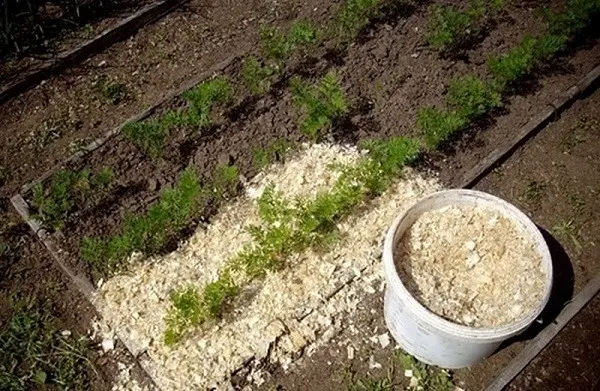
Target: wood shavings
pixel 273 320
pixel 471 265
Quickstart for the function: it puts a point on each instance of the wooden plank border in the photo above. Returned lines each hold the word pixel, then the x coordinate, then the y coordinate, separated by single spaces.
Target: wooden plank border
pixel 121 30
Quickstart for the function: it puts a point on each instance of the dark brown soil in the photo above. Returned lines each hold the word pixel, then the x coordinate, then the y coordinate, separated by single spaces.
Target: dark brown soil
pixel 43 125
pixel 571 361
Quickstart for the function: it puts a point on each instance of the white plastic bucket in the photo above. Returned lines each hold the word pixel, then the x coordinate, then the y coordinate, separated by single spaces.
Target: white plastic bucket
pixel 427 336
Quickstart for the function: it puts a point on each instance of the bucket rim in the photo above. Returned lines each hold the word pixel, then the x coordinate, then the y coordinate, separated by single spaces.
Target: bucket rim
pixel 488 334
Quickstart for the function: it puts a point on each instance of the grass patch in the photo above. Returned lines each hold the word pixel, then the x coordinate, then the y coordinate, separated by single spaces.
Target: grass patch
pixel 35 354
pixel 534 190
pixel 352 17
pixel 290 226
pixel 151 232
pixel 67 189
pixel 321 103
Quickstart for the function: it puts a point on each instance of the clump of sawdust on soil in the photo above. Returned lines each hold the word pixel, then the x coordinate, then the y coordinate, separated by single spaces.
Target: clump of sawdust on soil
pixel 288 312
pixel 471 265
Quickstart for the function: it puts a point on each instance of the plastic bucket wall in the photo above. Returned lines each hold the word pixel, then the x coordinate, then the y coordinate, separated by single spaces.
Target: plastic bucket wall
pixel 429 337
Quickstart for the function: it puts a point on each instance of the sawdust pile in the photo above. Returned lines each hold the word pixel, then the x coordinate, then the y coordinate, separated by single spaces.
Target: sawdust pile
pixel 471 265
pixel 276 318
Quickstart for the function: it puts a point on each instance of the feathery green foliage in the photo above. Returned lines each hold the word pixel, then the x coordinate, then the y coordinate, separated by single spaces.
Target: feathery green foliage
pixel 438 126
pixel 471 97
pixel 150 136
pixel 448 26
pixel 67 189
pixel 204 97
pixel 256 76
pixel 322 103
pixel 352 18
pixel 148 233
pixel 276 46
pixel 272 153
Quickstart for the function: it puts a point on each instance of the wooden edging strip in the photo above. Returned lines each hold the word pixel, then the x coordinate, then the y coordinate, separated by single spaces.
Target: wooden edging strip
pixel 533 348
pixel 119 31
pixel 500 154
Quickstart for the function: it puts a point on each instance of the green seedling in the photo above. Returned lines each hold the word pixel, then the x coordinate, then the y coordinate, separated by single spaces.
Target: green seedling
pixel 566 229
pixel 534 191
pixel 322 103
pixel 148 136
pixel 520 61
pixel 67 189
pixel 36 355
pixel 429 377
pixel 277 47
pixel 438 126
pixel 448 26
pixel 204 97
pixel 274 45
pixel 471 97
pixel 256 76
pixel 225 181
pixel 274 152
pixel 352 18
pixel 111 91
pixel 577 16
pixel 302 35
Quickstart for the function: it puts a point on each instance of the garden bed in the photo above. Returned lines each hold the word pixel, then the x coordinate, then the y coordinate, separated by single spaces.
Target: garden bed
pixel 386 105
pixel 255 123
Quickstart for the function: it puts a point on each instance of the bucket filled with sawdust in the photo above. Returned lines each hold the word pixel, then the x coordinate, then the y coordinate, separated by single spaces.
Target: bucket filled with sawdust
pixel 465 272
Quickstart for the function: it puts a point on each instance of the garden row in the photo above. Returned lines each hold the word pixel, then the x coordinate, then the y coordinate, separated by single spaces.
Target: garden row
pixel 121 227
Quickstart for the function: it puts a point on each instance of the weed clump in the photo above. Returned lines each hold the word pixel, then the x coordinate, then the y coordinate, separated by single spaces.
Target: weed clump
pixel 36 355
pixel 67 189
pixel 322 103
pixel 428 376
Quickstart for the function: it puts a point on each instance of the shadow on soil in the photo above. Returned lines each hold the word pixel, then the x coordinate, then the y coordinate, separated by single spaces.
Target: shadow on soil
pixel 561 294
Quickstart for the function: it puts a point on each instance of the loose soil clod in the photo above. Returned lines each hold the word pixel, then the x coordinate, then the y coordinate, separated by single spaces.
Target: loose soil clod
pixel 471 265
